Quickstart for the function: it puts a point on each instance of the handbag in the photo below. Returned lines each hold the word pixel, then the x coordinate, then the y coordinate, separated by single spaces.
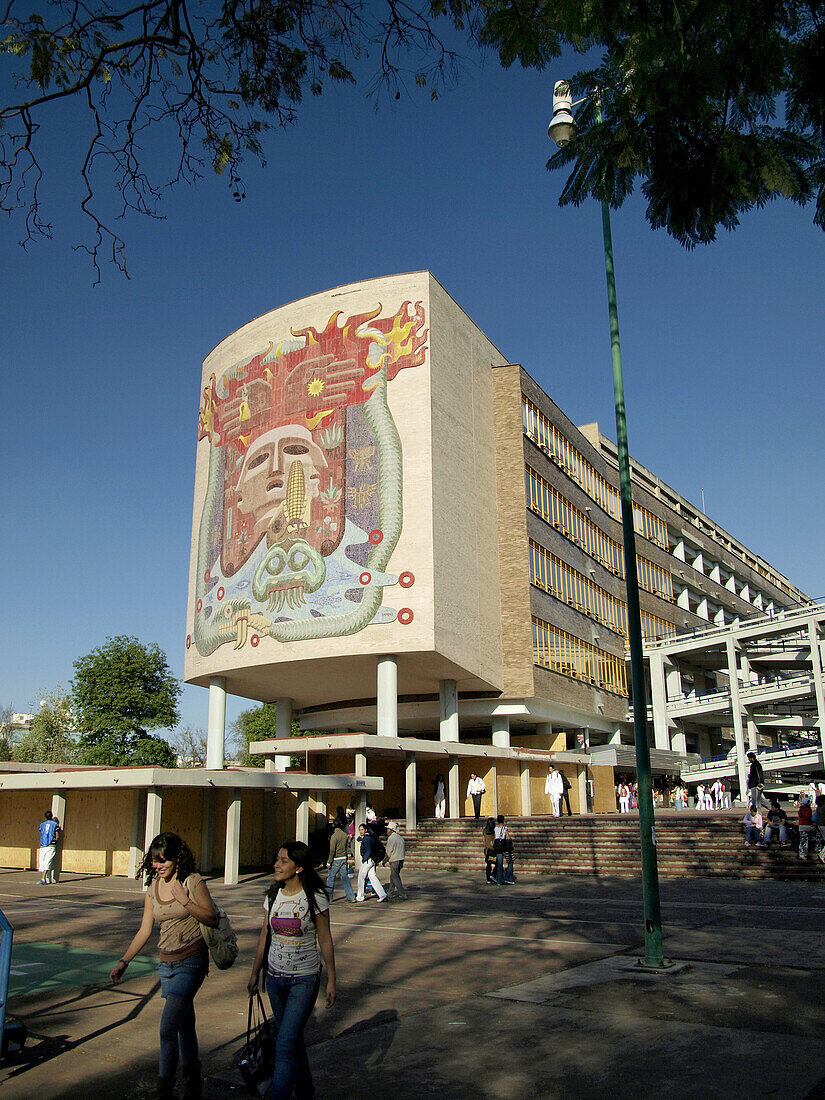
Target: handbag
pixel 256 1058
pixel 221 940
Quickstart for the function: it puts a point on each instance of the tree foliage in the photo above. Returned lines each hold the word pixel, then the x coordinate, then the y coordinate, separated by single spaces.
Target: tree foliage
pixel 120 692
pixel 716 107
pixel 257 724
pixel 51 737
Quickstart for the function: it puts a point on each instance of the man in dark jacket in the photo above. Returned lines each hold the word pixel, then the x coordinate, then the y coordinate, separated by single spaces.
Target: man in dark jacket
pixel 756 780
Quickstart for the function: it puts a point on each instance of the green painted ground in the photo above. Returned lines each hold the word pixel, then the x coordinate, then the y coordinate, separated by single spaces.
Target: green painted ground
pixel 37 967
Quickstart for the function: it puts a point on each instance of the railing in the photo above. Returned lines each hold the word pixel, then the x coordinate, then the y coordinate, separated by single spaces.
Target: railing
pixel 770 618
pixel 6 937
pixel 789 751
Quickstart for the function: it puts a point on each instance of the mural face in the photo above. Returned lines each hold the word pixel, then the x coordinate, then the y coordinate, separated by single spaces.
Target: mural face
pixel 303 505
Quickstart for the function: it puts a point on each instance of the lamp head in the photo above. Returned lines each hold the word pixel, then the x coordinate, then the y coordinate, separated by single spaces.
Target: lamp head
pixel 562 125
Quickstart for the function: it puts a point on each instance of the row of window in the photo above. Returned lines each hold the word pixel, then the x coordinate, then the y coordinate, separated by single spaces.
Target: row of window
pixel 548 503
pixel 562 652
pixel 607 496
pixel 549 572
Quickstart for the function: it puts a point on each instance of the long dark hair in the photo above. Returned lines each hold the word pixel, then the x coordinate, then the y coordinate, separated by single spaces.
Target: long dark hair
pixel 309 878
pixel 168 846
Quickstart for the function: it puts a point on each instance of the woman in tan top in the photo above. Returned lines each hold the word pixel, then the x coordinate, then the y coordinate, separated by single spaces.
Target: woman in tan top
pixel 178 899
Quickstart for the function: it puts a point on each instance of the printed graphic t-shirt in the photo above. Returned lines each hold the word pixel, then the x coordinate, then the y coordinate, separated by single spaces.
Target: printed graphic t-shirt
pixel 293 949
pixel 47 831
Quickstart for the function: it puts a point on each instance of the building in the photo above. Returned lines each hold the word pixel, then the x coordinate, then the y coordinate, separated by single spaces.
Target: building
pixel 400 538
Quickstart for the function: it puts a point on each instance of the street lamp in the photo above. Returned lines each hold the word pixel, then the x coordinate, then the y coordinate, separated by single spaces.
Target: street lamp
pixel 561 129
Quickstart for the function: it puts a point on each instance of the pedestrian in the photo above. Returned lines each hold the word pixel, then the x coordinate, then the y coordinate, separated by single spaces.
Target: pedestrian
pixel 503 846
pixel 439 795
pixel 753 826
pixel 337 857
pixel 624 797
pixel 806 826
pixel 367 870
pixel 554 787
pixel 394 855
pixel 49 829
pixel 565 788
pixel 294 940
pixel 700 796
pixel 489 840
pixel 679 797
pixel 756 779
pixel 177 898
pixel 475 789
pixel 717 790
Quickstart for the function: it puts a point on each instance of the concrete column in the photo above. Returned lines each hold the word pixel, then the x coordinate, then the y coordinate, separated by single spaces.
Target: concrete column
pixel 526 796
pixel 360 819
pixel 616 736
pixel 283 718
pixel 448 711
pixel 207 829
pixel 658 695
pixel 302 817
pixel 495 788
pixel 736 710
pixel 268 829
pixel 581 784
pixel 361 766
pixel 752 729
pixel 411 791
pixel 216 725
pixel 136 833
pixel 501 730
pixel 453 792
pixel 154 809
pixel 233 838
pixel 321 796
pixel 387 696
pixel 678 740
pixel 819 681
pixel 59 813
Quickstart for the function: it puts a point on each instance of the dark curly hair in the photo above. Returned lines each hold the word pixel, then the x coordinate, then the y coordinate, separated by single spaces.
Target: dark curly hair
pixel 309 878
pixel 168 846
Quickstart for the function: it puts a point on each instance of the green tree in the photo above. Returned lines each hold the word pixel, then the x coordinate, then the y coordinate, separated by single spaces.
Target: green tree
pixel 6 731
pixel 257 724
pixel 51 739
pixel 715 108
pixel 120 692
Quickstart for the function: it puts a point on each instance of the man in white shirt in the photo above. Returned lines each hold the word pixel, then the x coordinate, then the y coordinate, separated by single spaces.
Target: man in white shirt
pixel 475 789
pixel 718 792
pixel 554 786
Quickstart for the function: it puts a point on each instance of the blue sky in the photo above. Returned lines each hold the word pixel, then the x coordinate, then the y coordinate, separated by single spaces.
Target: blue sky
pixel 722 347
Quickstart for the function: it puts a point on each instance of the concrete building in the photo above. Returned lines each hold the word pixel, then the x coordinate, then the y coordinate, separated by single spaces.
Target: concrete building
pixel 400 538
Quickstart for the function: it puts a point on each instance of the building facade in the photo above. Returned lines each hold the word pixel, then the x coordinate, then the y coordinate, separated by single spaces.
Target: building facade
pixel 400 538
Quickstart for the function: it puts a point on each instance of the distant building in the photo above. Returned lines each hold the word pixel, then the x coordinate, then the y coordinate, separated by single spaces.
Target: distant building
pixel 398 536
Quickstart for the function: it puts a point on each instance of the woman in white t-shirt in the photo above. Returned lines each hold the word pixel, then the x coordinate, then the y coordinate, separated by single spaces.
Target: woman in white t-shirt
pixel 294 939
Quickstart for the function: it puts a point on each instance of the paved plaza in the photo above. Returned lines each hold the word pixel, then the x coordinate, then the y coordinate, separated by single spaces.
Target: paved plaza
pixel 464 991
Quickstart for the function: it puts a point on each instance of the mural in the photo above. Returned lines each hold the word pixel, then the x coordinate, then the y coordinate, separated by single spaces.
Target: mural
pixel 303 504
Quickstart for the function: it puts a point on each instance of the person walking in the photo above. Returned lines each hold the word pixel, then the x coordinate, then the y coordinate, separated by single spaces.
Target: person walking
pixel 395 852
pixel 565 788
pixel 295 939
pixel 756 779
pixel 337 858
pixel 49 834
pixel 475 789
pixel 367 870
pixel 440 795
pixel 554 787
pixel 178 899
pixel 624 797
pixel 488 838
pixel 503 846
pixel 718 792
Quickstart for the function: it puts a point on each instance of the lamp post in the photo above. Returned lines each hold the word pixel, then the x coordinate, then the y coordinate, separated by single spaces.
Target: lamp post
pixel 561 129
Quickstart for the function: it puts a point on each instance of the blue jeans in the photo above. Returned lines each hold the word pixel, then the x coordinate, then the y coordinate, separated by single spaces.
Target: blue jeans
pixel 179 982
pixel 503 876
pixel 338 868
pixel 292 999
pixel 769 830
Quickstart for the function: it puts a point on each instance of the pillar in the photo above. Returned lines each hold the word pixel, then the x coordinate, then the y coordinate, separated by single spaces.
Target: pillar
pixel 411 791
pixel 658 693
pixel 283 718
pixel 387 696
pixel 207 829
pixel 216 725
pixel 302 817
pixel 59 813
pixel 581 785
pixel 360 819
pixel 819 684
pixel 501 731
pixel 136 832
pixel 233 838
pixel 526 797
pixel 448 712
pixel 268 828
pixel 453 792
pixel 154 809
pixel 495 788
pixel 736 711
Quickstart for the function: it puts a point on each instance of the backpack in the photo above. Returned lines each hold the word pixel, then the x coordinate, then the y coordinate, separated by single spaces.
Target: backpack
pixel 378 850
pixel 221 940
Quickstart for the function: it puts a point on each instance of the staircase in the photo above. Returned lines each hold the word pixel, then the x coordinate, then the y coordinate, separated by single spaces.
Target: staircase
pixel 688 844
